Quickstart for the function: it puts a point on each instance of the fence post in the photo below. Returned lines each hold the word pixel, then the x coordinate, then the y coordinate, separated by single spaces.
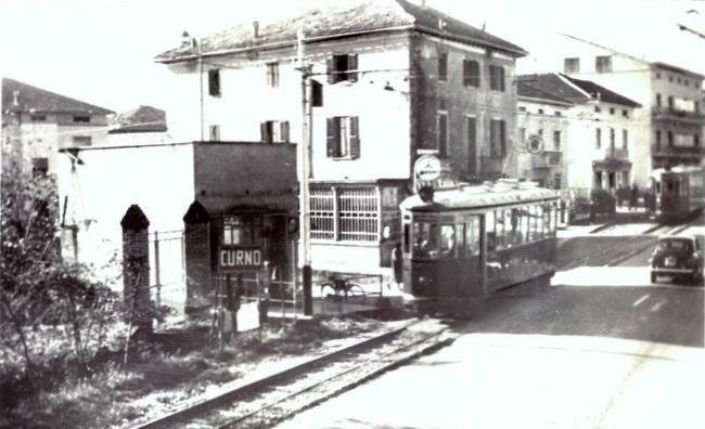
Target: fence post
pixel 135 268
pixel 197 249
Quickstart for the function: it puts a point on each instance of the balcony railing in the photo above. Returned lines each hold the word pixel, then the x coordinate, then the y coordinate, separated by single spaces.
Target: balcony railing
pixel 698 150
pixel 672 113
pixel 546 159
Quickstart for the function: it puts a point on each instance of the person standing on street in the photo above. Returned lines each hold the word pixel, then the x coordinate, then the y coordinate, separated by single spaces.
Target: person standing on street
pixel 397 263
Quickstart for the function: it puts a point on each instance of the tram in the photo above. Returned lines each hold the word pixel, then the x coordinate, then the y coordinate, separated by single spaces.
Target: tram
pixel 677 192
pixel 471 241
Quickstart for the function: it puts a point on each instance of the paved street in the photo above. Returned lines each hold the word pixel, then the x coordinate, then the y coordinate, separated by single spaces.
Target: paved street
pixel 603 348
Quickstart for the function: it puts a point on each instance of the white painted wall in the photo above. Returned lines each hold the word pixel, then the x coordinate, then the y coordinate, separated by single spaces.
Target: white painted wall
pixel 157 178
pixel 246 101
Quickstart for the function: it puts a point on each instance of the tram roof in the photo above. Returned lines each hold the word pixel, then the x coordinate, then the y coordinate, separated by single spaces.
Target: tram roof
pixel 476 197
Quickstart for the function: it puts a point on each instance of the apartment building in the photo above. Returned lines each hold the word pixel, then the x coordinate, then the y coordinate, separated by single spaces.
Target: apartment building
pixel 671 120
pixel 584 134
pixel 392 80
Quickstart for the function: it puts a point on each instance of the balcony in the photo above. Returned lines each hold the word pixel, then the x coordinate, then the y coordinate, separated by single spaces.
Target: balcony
pixel 546 159
pixel 617 153
pixel 673 114
pixel 688 152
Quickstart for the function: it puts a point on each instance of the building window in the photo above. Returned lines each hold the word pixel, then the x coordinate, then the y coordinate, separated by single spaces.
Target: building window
pixel 522 135
pixel 557 113
pixel 40 166
pixel 696 139
pixel 611 110
pixel 443 66
pixel 571 65
pixel 557 181
pixel 658 100
pixel 603 64
pixel 496 78
pixel 612 139
pixel 625 113
pixel 540 111
pixel 658 75
pixel 498 138
pixel 670 78
pixel 82 119
pixel 658 139
pixel 214 82
pixel 670 102
pixel 38 118
pixel 274 131
pixel 669 137
pixel 345 213
pixel 214 133
pixel 598 109
pixel 557 140
pixel 273 75
pixel 625 139
pixel 342 67
pixel 343 137
pixel 471 73
pixel 522 108
pixel 598 138
pixel 442 133
pixel 81 140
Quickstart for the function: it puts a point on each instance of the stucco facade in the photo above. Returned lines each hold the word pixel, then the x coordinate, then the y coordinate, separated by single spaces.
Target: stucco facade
pixel 393 81
pixel 670 96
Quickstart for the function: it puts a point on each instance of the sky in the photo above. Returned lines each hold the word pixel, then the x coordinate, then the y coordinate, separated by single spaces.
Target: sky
pixel 102 51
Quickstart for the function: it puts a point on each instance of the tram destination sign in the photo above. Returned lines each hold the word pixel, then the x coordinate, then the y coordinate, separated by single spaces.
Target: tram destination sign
pixel 239 258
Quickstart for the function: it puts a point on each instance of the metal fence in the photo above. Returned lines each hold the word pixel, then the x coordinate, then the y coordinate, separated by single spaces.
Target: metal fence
pixel 167 273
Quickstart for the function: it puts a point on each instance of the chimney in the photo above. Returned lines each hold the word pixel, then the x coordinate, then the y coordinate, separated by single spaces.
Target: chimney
pixel 255 29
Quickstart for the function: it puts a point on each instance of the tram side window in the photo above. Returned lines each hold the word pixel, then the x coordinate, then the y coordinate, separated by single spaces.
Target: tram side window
pixel 533 224
pixel 460 245
pixel 447 246
pixel 425 240
pixel 472 237
pixel 491 231
pixel 515 235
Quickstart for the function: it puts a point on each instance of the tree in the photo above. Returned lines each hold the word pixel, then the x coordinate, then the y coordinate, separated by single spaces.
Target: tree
pixel 36 286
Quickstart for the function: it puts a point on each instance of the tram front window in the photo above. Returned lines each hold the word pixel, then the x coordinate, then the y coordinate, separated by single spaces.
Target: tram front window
pixel 425 240
pixel 447 241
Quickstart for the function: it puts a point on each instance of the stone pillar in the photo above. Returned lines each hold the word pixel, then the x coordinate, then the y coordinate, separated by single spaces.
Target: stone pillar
pixel 135 268
pixel 198 258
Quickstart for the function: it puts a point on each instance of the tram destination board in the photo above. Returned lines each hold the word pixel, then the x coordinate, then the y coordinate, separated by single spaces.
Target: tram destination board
pixel 239 258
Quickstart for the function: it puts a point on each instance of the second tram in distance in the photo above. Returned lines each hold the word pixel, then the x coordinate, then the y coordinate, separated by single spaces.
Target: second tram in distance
pixel 471 241
pixel 677 192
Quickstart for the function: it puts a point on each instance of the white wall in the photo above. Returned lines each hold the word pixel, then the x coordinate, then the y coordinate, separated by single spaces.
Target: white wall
pixel 157 178
pixel 246 101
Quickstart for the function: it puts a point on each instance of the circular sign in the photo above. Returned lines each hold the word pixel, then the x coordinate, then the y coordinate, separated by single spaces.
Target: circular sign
pixel 534 144
pixel 427 168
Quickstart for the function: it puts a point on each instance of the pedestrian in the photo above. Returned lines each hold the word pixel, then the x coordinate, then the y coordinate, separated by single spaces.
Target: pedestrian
pixel 634 197
pixel 397 264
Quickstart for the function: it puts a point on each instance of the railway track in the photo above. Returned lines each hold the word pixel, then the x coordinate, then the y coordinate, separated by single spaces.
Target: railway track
pixel 286 394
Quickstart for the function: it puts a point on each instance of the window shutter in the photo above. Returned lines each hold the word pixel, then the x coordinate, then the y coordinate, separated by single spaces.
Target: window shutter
pixel 331 141
pixel 214 82
pixel 493 138
pixel 502 138
pixel 264 131
pixel 354 137
pixel 467 78
pixel 352 67
pixel 475 70
pixel 316 93
pixel 501 79
pixel 330 70
pixel 284 131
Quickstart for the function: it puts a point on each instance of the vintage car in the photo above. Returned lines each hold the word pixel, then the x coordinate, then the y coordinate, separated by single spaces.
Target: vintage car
pixel 678 257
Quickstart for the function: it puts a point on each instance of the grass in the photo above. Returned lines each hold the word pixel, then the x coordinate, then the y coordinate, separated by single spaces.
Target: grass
pixel 171 369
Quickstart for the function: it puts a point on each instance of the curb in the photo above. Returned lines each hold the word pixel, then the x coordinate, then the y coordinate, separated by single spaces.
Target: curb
pixel 244 386
pixel 603 227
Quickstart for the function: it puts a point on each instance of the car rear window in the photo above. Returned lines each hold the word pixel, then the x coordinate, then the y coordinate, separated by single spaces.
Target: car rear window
pixel 674 244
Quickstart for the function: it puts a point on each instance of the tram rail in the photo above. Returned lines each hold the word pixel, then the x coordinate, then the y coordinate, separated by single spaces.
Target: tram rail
pixel 280 396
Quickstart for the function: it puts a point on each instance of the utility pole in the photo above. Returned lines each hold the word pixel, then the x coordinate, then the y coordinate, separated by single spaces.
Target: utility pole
pixel 304 173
